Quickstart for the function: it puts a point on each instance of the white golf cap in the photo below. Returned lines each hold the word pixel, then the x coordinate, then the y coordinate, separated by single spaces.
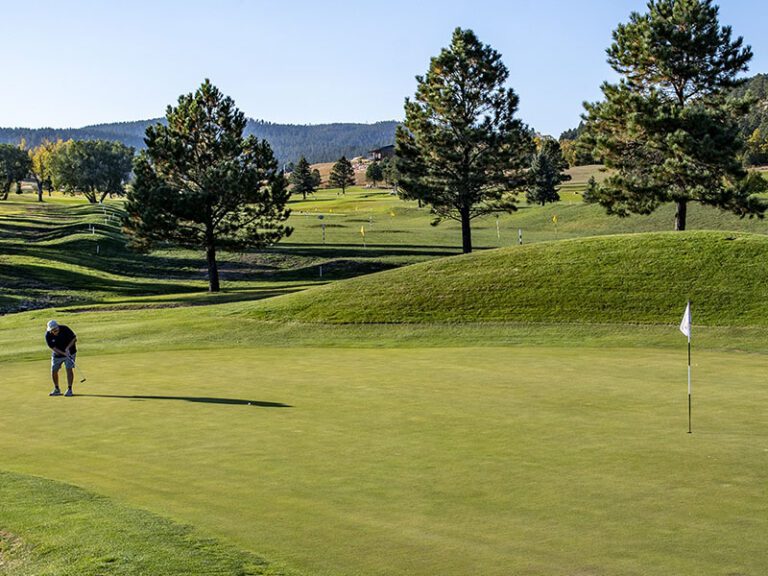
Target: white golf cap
pixel 52 324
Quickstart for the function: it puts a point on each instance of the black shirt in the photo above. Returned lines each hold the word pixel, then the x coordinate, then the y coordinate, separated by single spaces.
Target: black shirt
pixel 61 340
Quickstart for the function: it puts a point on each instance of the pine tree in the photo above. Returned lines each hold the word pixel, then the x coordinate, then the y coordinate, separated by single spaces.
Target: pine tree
pixel 389 171
pixel 302 180
pixel 461 149
pixel 546 173
pixel 200 183
pixel 667 128
pixel 317 179
pixel 342 175
pixel 374 173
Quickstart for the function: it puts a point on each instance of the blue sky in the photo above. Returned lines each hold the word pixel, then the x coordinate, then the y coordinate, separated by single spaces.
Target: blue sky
pixel 77 62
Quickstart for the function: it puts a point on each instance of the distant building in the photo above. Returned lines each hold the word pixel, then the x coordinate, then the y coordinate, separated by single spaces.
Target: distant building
pixel 381 153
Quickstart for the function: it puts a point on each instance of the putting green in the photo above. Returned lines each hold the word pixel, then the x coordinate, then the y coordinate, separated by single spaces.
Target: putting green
pixel 490 461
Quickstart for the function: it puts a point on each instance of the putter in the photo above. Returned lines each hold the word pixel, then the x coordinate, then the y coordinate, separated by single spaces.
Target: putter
pixel 77 367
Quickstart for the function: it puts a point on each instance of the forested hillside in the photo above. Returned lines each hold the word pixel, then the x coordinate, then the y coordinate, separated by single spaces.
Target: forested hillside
pixel 754 124
pixel 318 143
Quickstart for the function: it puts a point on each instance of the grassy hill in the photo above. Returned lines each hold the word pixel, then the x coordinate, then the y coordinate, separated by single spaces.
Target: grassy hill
pixel 643 278
pixel 64 251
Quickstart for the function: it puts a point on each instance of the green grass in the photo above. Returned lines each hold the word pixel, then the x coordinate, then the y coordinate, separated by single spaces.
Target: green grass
pixel 514 411
pixel 641 278
pixel 419 460
pixel 54 528
pixel 48 253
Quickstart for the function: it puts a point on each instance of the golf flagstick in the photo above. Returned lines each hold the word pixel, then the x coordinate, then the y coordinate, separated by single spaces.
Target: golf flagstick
pixel 685 328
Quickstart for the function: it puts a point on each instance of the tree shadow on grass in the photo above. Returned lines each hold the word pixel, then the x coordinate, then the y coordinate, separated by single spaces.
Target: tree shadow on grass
pixel 202 399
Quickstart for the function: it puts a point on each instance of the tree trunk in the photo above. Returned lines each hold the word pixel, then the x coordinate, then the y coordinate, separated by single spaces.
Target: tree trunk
pixel 466 232
pixel 210 256
pixel 39 190
pixel 680 215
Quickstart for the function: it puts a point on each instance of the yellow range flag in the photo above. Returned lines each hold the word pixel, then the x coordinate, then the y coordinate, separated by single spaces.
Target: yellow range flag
pixel 362 231
pixel 554 218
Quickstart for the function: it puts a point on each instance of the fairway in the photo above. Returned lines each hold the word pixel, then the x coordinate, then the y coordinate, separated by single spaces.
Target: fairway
pixel 454 461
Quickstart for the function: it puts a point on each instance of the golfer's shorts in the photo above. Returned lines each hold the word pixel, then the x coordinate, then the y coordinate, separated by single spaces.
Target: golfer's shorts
pixel 57 362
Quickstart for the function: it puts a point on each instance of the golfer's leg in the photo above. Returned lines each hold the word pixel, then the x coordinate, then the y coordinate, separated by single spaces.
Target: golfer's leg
pixel 55 378
pixel 70 377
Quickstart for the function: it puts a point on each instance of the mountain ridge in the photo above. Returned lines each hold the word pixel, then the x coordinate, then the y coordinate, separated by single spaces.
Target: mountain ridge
pixel 316 142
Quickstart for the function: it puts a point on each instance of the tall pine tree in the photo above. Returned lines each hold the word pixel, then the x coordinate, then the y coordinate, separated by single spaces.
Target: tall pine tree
pixel 667 128
pixel 374 173
pixel 547 173
pixel 302 180
pixel 201 184
pixel 342 175
pixel 461 149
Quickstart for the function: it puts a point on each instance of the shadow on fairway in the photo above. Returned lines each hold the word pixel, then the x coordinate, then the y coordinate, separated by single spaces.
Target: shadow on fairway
pixel 203 399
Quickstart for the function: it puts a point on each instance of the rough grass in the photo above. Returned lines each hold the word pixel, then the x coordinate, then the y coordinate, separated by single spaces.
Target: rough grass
pixel 54 528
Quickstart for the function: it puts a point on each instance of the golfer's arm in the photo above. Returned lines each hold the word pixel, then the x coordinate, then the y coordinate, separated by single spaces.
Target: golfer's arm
pixel 66 350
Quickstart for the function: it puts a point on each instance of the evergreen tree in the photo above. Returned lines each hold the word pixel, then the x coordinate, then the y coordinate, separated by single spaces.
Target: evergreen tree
pixel 667 128
pixel 389 171
pixel 317 179
pixel 200 183
pixel 301 179
pixel 546 173
pixel 342 175
pixel 374 173
pixel 461 149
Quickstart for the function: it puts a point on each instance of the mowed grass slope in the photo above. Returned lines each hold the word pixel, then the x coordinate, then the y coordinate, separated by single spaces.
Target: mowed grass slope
pixel 642 278
pixel 64 251
pixel 66 531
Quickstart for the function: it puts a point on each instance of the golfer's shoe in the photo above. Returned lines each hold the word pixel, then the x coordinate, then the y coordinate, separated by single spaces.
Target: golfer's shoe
pixel 55 392
pixel 69 392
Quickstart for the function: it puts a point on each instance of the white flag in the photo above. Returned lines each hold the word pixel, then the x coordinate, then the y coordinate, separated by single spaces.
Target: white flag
pixel 685 325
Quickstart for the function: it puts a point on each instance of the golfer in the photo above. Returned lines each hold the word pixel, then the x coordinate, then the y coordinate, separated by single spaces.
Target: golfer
pixel 61 340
